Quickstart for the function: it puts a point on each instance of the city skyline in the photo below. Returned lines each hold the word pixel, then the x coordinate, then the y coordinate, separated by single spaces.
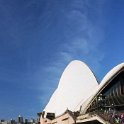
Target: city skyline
pixel 20 120
pixel 39 38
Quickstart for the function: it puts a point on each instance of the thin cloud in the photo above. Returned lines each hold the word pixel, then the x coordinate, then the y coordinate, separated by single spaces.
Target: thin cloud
pixel 82 40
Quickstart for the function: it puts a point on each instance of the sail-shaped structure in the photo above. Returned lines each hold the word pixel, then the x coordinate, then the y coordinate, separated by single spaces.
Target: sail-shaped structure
pixel 75 86
pixel 78 91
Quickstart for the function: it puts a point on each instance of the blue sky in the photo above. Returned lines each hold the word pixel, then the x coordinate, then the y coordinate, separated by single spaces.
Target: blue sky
pixel 38 38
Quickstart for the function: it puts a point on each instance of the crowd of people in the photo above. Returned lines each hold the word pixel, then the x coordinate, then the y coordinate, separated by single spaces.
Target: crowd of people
pixel 118 118
pixel 113 116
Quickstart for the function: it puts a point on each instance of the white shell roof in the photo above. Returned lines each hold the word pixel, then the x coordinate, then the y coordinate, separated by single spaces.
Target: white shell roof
pixel 110 74
pixel 107 77
pixel 75 86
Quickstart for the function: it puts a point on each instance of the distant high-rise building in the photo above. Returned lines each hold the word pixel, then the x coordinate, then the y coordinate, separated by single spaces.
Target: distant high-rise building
pixel 12 121
pixel 2 120
pixel 20 119
pixel 26 121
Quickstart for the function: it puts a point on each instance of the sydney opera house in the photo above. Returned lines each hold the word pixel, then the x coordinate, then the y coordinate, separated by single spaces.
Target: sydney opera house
pixel 80 98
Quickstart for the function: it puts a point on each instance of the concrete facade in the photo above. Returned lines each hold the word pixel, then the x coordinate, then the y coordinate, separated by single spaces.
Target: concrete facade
pixel 66 118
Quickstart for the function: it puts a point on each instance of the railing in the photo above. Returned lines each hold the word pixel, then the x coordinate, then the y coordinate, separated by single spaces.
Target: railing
pixel 112 117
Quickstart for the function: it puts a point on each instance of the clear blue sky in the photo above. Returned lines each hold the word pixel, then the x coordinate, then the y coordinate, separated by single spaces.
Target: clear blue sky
pixel 38 38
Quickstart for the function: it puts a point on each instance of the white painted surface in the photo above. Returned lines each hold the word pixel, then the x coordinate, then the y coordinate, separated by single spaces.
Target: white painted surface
pixel 77 84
